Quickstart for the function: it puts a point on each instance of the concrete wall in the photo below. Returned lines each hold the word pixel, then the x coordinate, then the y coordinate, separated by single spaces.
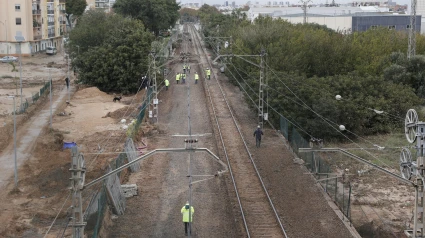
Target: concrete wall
pixel 336 23
pixel 401 22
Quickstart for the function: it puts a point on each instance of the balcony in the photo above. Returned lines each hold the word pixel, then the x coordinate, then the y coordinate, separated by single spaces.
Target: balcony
pixel 62 10
pixel 50 11
pixel 50 0
pixel 62 1
pixel 51 23
pixel 37 37
pixel 36 12
pixel 50 35
pixel 36 24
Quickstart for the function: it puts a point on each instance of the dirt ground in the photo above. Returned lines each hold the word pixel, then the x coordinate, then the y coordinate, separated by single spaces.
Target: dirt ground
pixel 381 207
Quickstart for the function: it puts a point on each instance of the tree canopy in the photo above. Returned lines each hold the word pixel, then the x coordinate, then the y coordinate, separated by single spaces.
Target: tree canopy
pixel 110 51
pixel 75 8
pixel 316 63
pixel 156 15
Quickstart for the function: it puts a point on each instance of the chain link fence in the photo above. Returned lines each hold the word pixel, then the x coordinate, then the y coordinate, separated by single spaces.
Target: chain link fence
pixel 333 185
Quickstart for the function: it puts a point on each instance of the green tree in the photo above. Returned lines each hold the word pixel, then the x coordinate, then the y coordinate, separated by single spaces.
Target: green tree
pixel 74 8
pixel 155 14
pixel 113 51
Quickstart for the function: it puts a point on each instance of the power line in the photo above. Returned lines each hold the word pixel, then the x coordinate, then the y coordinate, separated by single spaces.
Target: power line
pixel 45 235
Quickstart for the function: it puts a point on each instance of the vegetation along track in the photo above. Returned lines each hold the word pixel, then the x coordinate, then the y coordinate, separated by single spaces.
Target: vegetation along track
pixel 258 212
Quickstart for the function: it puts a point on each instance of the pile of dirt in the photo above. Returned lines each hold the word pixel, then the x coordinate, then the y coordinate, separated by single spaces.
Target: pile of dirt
pixel 122 113
pixel 91 92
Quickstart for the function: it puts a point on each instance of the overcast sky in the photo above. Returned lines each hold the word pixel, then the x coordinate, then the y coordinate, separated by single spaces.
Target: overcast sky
pixel 238 2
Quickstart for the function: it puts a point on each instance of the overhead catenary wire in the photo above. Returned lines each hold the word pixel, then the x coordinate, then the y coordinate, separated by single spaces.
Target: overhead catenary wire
pixel 54 220
pixel 321 118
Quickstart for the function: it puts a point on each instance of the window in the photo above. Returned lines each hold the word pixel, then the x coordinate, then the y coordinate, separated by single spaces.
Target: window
pixel 17 7
pixel 18 21
pixel 373 27
pixel 408 26
pixel 391 27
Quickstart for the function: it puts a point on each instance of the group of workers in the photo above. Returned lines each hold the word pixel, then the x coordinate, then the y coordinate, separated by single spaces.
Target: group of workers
pixel 183 76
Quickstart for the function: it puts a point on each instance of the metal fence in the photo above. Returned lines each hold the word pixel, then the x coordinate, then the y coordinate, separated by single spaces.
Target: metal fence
pixel 101 207
pixel 111 191
pixel 334 186
pixel 24 106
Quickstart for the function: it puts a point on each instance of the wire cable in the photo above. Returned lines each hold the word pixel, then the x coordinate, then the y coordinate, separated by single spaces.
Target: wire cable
pixel 54 220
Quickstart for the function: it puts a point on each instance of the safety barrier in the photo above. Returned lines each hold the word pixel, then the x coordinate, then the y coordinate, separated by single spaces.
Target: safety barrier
pixel 321 170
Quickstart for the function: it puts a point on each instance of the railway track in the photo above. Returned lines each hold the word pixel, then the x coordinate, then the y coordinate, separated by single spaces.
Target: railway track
pixel 260 218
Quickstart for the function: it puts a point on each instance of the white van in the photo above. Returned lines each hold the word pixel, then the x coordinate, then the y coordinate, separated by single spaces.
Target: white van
pixel 51 50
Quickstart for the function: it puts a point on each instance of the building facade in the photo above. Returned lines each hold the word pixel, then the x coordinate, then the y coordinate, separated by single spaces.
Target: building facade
pixel 28 27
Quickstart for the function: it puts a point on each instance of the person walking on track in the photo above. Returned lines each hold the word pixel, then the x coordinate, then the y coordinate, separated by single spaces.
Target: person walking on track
pixel 196 77
pixel 167 83
pixel 178 77
pixel 184 78
pixel 208 73
pixel 257 134
pixel 188 68
pixel 187 211
pixel 184 68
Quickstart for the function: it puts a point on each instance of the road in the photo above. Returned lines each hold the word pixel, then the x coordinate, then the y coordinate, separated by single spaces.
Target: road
pixel 26 137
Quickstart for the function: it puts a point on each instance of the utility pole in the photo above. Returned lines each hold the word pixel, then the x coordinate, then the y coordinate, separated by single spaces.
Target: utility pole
pixel 14 141
pixel 77 183
pixel 304 8
pixel 261 91
pixel 411 51
pixel 69 79
pixel 50 96
pixel 154 104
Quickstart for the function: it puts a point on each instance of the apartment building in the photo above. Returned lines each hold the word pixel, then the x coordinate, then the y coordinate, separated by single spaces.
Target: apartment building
pixel 28 27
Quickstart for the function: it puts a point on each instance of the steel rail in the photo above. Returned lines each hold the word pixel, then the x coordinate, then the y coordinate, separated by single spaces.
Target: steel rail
pixel 222 140
pixel 245 145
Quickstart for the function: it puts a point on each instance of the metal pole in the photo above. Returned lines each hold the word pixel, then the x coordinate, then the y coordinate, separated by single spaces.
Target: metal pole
pixel 50 100
pixel 69 82
pixel 20 69
pixel 261 94
pixel 14 142
pixel 190 161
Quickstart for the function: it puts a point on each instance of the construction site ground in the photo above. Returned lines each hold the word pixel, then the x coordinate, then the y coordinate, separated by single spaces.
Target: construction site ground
pixel 381 206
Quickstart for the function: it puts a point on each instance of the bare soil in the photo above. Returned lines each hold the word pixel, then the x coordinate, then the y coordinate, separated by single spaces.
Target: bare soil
pixel 381 207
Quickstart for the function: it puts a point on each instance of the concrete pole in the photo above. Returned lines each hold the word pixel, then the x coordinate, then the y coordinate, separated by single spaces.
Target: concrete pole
pixel 69 80
pixel 20 69
pixel 14 142
pixel 50 78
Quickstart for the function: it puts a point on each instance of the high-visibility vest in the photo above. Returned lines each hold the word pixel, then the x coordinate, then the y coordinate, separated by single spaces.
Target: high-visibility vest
pixel 208 72
pixel 196 76
pixel 188 66
pixel 177 77
pixel 167 83
pixel 185 213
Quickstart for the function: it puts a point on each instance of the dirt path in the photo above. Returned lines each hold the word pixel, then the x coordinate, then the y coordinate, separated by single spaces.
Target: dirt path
pixel 26 139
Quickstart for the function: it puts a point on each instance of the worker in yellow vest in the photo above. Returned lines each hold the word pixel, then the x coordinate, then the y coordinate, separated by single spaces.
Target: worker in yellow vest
pixel 196 77
pixel 167 83
pixel 178 77
pixel 187 212
pixel 208 73
pixel 184 68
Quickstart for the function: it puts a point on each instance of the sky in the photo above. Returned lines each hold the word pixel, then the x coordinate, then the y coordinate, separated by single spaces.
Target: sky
pixel 239 2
